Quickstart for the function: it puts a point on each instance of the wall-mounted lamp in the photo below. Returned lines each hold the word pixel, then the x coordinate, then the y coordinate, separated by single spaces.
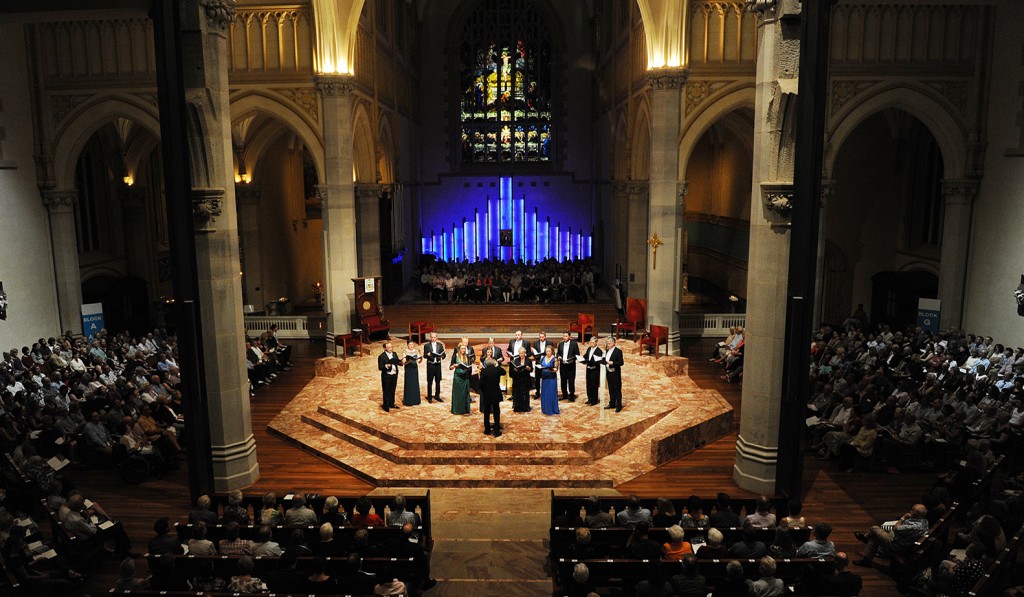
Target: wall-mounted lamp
pixel 129 180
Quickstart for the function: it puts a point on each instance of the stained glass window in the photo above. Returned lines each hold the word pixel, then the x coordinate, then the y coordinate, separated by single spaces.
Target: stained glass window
pixel 505 106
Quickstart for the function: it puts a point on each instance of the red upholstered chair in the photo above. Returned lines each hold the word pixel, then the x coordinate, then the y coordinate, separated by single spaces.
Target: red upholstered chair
pixel 655 337
pixel 584 322
pixel 347 342
pixel 636 317
pixel 373 324
pixel 419 330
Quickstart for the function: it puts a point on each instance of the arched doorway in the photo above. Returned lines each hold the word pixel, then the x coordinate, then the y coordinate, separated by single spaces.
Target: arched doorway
pixel 716 220
pixel 885 214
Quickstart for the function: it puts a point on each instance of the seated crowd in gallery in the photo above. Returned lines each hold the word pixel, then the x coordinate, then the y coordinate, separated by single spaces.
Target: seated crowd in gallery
pixel 494 281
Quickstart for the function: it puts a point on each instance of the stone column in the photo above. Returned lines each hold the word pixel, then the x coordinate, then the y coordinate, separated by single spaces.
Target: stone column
pixel 768 264
pixel 620 244
pixel 247 197
pixel 637 252
pixel 828 186
pixel 368 212
pixel 958 196
pixel 205 55
pixel 64 244
pixel 340 248
pixel 665 214
pixel 138 238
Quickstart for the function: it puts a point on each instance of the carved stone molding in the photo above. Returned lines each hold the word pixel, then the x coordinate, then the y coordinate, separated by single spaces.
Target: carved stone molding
pixel 207 206
pixel 844 91
pixel 828 188
pixel 959 191
pixel 58 202
pixel 956 92
pixel 682 188
pixel 320 192
pixel 61 105
pixel 219 13
pixel 698 91
pixel 367 192
pixel 335 85
pixel 778 198
pixel 667 78
pixel 305 98
pixel 760 7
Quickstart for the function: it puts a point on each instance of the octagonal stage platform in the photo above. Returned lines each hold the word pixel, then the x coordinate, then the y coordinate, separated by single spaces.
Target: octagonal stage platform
pixel 338 417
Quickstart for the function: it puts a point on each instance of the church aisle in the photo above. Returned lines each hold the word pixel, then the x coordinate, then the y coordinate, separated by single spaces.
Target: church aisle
pixel 490 541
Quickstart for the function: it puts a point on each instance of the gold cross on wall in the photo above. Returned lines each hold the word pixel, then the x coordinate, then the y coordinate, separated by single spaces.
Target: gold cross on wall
pixel 655 242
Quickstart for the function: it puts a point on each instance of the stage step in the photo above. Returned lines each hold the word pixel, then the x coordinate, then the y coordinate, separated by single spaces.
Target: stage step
pixel 471 452
pixel 498 319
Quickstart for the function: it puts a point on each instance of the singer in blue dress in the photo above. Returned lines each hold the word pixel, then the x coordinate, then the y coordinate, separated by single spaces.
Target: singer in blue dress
pixel 549 382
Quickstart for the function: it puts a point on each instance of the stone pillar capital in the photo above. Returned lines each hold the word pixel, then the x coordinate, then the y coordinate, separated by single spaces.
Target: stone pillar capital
pixel 335 85
pixel 682 188
pixel 778 198
pixel 207 206
pixel 57 202
pixel 320 192
pixel 368 191
pixel 247 194
pixel 959 191
pixel 667 78
pixel 828 187
pixel 219 14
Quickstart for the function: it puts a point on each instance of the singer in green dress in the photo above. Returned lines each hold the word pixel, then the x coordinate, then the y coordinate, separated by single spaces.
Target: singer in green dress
pixel 460 381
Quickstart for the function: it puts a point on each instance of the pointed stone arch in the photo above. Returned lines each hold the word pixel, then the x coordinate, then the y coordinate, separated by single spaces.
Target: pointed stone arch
pixel 364 153
pixel 620 148
pixel 255 102
pixel 640 143
pixel 948 129
pixel 714 109
pixel 386 158
pixel 89 117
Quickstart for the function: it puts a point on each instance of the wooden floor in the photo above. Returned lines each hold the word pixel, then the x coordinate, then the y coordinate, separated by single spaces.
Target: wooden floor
pixel 849 501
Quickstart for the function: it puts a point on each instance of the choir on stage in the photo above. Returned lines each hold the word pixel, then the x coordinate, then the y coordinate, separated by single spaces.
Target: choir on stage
pixel 531 368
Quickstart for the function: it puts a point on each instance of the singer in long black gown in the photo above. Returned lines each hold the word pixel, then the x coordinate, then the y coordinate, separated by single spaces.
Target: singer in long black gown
pixel 519 370
pixel 411 359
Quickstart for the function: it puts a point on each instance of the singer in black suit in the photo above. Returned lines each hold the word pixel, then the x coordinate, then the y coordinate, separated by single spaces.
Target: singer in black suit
pixel 538 348
pixel 613 367
pixel 388 363
pixel 435 353
pixel 490 396
pixel 568 353
pixel 594 358
pixel 515 344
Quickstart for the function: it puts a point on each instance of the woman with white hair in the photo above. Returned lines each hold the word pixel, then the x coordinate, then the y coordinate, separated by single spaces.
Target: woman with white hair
pixel 677 545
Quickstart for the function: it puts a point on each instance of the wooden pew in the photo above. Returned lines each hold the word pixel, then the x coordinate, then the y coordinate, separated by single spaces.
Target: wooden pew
pixel 1000 568
pixel 282 533
pixel 626 572
pixel 562 503
pixel 611 542
pixel 226 566
pixel 254 503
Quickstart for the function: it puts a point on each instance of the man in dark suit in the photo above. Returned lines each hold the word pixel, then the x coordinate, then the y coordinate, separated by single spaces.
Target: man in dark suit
pixel 568 353
pixel 537 352
pixel 474 378
pixel 388 363
pixel 496 352
pixel 515 343
pixel 490 396
pixel 613 367
pixel 594 358
pixel 434 351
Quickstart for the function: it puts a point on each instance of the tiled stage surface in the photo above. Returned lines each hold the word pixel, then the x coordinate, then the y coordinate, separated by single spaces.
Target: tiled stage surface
pixel 338 417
